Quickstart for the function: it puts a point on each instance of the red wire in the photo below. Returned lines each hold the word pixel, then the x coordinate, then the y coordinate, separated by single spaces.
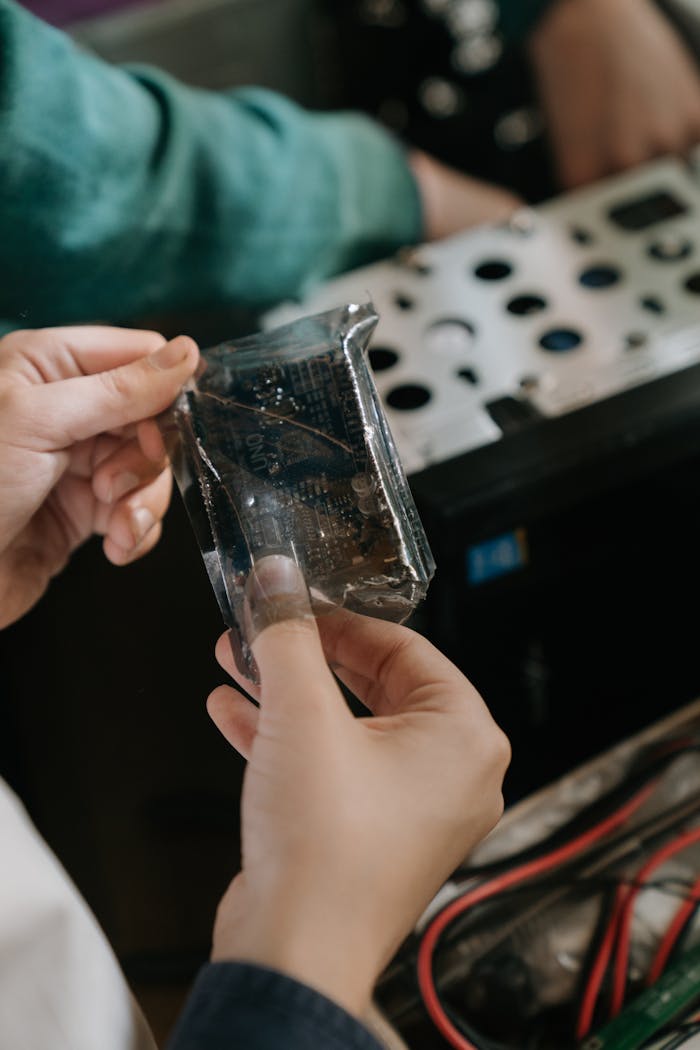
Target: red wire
pixel 599 968
pixel 502 882
pixel 673 933
pixel 623 944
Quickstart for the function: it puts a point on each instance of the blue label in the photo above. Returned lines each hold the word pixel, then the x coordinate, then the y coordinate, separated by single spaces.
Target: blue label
pixel 496 557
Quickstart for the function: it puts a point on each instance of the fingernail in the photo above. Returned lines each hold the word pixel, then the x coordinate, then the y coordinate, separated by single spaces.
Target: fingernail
pixel 276 591
pixel 170 355
pixel 142 521
pixel 121 484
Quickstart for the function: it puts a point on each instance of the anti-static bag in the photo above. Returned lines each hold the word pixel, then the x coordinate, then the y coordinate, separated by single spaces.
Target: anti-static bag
pixel 280 445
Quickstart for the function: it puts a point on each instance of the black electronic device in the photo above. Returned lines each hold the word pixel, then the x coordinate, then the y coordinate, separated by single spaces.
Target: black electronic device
pixel 574 926
pixel 542 382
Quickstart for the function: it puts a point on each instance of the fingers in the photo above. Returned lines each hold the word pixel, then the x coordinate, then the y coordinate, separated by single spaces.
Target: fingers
pixel 296 683
pixel 151 440
pixel 577 153
pixel 295 678
pixel 133 524
pixel 224 656
pixel 235 718
pixel 48 355
pixel 391 668
pixel 119 556
pixel 125 469
pixel 362 687
pixel 55 415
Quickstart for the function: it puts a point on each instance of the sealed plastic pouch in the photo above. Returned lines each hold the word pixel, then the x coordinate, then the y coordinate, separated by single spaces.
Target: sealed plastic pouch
pixel 280 445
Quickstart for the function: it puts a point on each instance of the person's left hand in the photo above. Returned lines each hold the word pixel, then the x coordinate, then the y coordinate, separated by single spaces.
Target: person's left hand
pixel 77 455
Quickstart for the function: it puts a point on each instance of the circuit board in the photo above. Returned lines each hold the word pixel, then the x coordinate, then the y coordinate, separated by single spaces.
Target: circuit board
pixel 284 439
pixel 670 997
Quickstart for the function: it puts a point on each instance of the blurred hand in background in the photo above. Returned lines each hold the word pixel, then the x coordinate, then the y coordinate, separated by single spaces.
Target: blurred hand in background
pixel 617 84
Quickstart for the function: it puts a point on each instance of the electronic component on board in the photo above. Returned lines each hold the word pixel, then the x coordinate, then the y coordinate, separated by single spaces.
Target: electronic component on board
pixel 280 446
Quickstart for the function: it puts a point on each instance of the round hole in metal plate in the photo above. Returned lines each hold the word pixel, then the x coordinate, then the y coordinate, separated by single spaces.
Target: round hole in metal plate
pixel 450 337
pixel 603 275
pixel 671 248
pixel 692 284
pixel 493 270
pixel 561 340
pixel 581 235
pixel 382 357
pixel 408 397
pixel 410 258
pixel 524 305
pixel 652 304
pixel 636 340
pixel 404 302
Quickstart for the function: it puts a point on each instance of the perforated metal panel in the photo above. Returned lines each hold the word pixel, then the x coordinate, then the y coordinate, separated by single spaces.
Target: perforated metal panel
pixel 572 302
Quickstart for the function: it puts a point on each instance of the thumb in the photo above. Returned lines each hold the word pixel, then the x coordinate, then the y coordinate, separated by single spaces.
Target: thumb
pixel 71 410
pixel 294 675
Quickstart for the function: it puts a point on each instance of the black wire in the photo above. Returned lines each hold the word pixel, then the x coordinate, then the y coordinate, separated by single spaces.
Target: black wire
pixel 602 923
pixel 565 874
pixel 480 1042
pixel 674 1027
pixel 648 765
pixel 502 902
pixel 594 813
pixel 404 973
pixel 686 1033
pixel 558 875
pixel 557 879
pixel 681 941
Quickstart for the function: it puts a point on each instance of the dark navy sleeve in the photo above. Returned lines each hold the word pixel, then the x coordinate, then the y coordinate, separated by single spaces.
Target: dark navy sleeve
pixel 238 1006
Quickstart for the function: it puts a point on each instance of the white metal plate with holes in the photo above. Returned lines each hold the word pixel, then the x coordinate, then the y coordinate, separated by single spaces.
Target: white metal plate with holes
pixel 448 341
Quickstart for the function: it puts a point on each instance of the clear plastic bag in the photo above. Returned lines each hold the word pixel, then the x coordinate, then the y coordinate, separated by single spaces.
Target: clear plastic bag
pixel 280 445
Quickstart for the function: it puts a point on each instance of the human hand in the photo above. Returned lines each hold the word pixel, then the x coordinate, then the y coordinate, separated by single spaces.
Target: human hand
pixel 452 201
pixel 76 456
pixel 617 85
pixel 349 826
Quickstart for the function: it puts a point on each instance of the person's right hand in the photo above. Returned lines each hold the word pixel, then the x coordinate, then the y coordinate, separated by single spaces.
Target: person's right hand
pixel 349 826
pixel 617 84
pixel 453 201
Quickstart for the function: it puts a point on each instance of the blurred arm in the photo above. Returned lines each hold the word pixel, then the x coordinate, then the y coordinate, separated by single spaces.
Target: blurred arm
pixel 122 191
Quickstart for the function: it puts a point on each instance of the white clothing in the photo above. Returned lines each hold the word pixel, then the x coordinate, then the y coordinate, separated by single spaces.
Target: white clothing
pixel 61 987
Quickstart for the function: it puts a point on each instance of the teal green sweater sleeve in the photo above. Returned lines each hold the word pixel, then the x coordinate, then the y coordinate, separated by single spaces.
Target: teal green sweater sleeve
pixel 124 192
pixel 518 17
